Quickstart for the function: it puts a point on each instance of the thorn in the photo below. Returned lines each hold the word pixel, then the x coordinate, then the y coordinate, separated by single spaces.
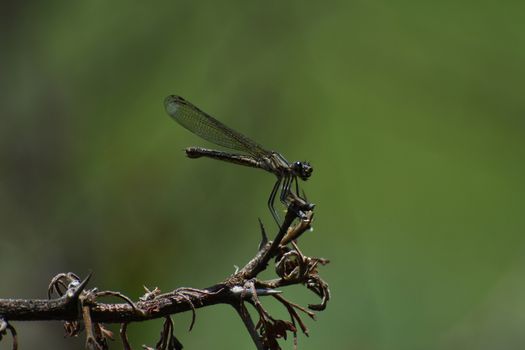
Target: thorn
pixel 264 239
pixel 267 291
pixel 74 292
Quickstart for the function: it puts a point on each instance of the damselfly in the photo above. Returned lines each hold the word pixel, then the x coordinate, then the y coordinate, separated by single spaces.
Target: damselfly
pixel 254 155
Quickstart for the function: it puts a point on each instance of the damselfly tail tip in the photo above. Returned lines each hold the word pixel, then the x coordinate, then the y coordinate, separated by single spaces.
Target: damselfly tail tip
pixel 192 152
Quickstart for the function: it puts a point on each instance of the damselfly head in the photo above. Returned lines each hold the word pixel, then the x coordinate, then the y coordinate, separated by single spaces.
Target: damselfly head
pixel 303 170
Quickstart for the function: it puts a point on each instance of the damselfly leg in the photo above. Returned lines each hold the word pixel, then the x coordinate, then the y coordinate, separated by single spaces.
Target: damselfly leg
pixel 271 200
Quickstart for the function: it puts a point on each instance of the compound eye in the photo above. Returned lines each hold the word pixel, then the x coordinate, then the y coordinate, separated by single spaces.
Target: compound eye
pixel 306 170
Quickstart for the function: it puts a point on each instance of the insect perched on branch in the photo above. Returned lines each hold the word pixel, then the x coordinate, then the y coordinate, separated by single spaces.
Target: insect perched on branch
pixel 253 154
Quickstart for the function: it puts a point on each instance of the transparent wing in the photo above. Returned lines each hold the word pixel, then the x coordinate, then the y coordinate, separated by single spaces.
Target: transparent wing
pixel 209 128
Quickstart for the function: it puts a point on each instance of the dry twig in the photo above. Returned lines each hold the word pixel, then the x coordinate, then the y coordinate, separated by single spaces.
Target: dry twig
pixel 73 303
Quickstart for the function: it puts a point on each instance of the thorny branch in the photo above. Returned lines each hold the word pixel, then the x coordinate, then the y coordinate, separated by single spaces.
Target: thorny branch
pixel 80 308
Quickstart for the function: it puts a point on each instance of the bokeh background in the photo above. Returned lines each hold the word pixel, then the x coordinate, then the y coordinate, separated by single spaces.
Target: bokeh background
pixel 412 114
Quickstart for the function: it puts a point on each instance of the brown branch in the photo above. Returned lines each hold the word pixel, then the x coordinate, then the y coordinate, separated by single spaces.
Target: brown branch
pixel 75 303
pixel 250 326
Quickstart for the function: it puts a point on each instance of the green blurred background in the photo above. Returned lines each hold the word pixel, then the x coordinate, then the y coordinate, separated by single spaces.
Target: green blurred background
pixel 412 114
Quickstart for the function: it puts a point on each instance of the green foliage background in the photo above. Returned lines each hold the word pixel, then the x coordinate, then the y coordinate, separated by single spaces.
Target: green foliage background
pixel 411 112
